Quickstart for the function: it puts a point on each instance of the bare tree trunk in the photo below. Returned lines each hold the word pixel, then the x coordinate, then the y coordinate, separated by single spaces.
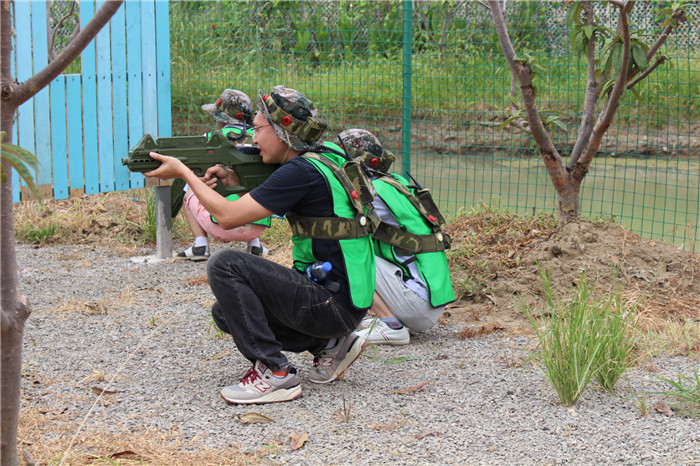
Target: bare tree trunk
pixel 15 307
pixel 13 313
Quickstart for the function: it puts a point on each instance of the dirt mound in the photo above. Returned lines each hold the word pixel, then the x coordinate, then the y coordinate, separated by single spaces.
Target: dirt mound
pixel 662 279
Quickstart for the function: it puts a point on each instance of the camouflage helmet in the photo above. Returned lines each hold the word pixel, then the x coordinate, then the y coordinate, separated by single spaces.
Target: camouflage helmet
pixel 362 145
pixel 292 116
pixel 232 107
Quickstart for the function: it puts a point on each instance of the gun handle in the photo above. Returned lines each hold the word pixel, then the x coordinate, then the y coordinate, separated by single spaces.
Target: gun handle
pixel 228 190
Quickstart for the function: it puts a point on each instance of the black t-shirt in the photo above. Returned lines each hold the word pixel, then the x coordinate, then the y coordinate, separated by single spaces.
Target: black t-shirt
pixel 297 186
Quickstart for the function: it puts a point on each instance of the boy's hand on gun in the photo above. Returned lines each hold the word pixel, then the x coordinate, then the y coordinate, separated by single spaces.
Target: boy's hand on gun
pixel 217 173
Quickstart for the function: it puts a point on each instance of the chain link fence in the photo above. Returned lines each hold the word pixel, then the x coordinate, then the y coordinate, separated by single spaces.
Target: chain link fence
pixel 430 80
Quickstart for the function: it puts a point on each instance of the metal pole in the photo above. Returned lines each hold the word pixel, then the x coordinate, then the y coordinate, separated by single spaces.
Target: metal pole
pixel 407 57
pixel 164 223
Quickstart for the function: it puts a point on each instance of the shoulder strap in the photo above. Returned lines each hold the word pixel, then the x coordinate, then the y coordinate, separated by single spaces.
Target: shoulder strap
pixel 407 242
pixel 360 193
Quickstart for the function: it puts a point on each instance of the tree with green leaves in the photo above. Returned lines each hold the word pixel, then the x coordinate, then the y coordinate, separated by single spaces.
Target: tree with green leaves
pixel 618 59
pixel 15 307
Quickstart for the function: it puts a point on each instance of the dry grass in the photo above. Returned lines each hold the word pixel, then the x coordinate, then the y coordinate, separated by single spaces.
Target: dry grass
pixel 488 240
pixel 113 302
pixel 48 438
pixel 117 219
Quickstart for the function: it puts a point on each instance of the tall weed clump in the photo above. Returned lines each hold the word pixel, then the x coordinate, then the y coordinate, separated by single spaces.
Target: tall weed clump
pixel 585 338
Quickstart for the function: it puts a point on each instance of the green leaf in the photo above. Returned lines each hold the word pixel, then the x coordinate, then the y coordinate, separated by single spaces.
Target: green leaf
pixel 639 57
pixel 617 59
pixel 607 87
pixel 608 66
pixel 589 31
pixel 21 160
pixel 636 94
pixel 573 15
pixel 22 170
pixel 579 42
pixel 560 124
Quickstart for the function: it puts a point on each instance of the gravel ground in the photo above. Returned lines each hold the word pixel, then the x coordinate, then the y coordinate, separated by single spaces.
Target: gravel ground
pixel 147 326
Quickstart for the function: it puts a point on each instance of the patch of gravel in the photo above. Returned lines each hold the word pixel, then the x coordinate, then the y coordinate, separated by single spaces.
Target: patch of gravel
pixel 148 327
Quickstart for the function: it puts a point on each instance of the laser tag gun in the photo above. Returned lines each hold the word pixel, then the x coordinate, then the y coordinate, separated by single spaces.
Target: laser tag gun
pixel 199 153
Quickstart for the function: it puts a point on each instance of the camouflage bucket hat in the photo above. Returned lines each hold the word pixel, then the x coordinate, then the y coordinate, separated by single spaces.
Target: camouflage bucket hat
pixel 292 116
pixel 362 145
pixel 233 107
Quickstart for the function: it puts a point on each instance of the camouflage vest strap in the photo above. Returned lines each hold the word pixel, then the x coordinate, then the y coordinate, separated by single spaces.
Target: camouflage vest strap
pixel 329 227
pixel 360 193
pixel 353 179
pixel 422 201
pixel 408 244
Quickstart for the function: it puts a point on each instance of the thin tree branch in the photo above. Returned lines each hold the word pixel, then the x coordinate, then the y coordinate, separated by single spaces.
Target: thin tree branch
pixel 52 52
pixel 580 168
pixel 446 25
pixel 610 108
pixel 646 73
pixel 679 17
pixel 27 89
pixel 551 157
pixel 590 101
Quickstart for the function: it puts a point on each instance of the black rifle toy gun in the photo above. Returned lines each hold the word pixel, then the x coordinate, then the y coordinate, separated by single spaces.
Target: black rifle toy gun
pixel 199 153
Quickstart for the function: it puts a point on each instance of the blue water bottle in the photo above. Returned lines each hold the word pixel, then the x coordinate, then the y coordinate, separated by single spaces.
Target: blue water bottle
pixel 318 271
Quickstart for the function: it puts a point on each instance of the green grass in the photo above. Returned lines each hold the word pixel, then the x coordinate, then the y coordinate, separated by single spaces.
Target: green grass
pixel 688 395
pixel 582 339
pixel 443 88
pixel 38 234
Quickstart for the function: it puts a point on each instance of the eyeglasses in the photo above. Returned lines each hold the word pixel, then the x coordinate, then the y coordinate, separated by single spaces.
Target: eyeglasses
pixel 256 128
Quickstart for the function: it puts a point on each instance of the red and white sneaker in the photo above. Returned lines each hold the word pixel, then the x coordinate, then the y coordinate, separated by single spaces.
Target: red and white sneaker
pixel 260 385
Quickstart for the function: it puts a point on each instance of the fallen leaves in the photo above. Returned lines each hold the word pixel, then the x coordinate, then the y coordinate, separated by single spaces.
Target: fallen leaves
pixel 103 391
pixel 298 440
pixel 200 280
pixel 663 408
pixel 410 390
pixel 253 418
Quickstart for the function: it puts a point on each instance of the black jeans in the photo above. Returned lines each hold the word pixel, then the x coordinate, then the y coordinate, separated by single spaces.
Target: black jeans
pixel 268 308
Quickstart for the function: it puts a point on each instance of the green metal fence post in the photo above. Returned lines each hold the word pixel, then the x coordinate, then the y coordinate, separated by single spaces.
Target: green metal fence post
pixel 407 80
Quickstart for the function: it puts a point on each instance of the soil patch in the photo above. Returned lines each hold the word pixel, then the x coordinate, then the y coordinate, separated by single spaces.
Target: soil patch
pixel 658 277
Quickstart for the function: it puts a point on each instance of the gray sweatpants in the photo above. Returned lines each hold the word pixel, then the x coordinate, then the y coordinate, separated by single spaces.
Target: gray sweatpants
pixel 412 310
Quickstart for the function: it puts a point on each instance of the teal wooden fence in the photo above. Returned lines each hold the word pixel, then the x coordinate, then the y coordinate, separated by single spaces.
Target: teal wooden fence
pixel 81 125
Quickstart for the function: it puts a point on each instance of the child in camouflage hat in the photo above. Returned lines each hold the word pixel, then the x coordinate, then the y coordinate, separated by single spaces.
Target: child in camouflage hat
pixel 233 112
pixel 412 288
pixel 269 308
pixel 233 107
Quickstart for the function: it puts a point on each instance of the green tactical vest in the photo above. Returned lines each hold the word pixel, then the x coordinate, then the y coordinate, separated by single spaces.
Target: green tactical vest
pixel 266 222
pixel 419 235
pixel 350 192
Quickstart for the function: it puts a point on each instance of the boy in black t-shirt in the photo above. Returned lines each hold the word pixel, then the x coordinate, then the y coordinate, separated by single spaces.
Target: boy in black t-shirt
pixel 269 308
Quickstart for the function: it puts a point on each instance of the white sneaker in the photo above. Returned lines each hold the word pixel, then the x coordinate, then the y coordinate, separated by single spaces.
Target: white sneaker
pixel 381 334
pixel 367 322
